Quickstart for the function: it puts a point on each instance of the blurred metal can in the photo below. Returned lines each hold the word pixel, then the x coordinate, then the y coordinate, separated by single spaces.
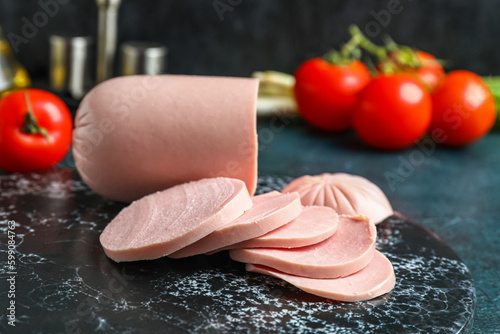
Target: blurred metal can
pixel 139 57
pixel 71 64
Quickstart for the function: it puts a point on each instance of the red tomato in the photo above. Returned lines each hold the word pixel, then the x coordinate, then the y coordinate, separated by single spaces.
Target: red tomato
pixel 464 109
pixel 23 152
pixel 393 111
pixel 326 93
pixel 430 72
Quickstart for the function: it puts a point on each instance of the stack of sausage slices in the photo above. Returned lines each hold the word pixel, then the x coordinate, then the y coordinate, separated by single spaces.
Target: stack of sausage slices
pixel 311 247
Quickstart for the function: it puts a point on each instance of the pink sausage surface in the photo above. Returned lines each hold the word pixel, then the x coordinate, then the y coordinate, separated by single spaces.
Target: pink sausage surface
pixel 136 135
pixel 313 225
pixel 345 193
pixel 269 212
pixel 349 250
pixel 166 221
pixel 376 279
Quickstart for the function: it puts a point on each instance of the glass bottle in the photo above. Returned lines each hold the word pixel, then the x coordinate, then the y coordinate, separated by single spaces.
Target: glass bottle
pixel 13 75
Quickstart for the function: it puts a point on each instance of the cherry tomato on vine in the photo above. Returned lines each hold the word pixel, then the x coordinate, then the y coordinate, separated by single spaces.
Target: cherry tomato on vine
pixel 464 109
pixel 393 111
pixel 35 130
pixel 430 72
pixel 326 92
pixel 424 65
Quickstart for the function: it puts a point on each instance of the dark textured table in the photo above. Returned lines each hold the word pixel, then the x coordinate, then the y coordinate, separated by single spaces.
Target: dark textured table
pixel 454 192
pixel 62 282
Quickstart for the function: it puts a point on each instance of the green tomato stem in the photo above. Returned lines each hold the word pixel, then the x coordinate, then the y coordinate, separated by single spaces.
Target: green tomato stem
pixel 378 51
pixel 30 122
pixel 351 50
pixel 347 54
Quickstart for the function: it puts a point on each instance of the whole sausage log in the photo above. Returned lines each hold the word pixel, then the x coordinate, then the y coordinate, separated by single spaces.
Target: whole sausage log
pixel 139 134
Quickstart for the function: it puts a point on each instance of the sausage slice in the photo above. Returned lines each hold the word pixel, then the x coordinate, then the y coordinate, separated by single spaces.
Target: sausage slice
pixel 166 221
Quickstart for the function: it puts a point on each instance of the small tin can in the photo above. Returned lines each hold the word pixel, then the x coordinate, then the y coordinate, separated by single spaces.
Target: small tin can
pixel 139 57
pixel 70 64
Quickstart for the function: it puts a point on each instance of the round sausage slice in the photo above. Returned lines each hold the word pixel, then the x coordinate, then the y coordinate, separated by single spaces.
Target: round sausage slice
pixel 349 250
pixel 166 221
pixel 376 279
pixel 313 225
pixel 269 211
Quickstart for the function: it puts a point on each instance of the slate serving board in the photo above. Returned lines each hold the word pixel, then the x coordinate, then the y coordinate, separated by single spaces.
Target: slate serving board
pixel 66 284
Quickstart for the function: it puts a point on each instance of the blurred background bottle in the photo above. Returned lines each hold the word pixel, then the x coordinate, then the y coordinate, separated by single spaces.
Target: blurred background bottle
pixel 12 74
